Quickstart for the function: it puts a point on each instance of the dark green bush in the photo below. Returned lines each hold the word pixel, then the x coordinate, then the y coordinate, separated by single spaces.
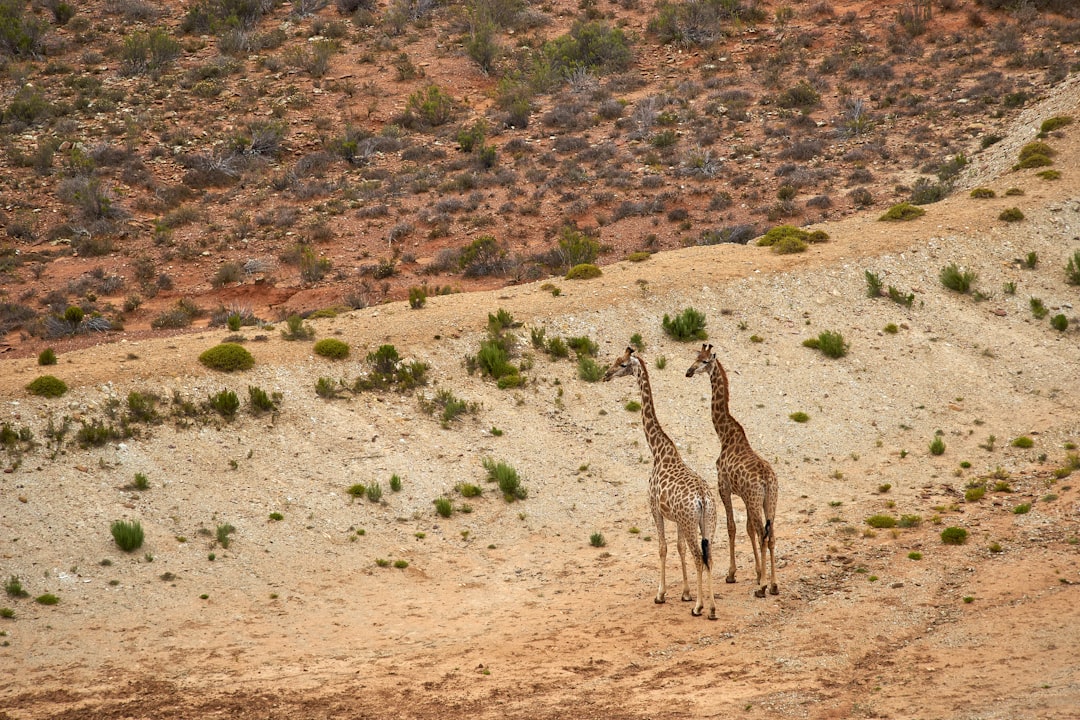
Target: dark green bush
pixel 47 357
pixel 954 536
pixel 225 403
pixel 47 386
pixel 831 344
pixel 227 357
pixel 687 326
pixel 506 477
pixel 1012 214
pixel 332 348
pixel 954 278
pixel 584 271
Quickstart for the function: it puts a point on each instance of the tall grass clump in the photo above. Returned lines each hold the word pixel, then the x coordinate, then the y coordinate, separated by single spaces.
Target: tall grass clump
pixel 955 279
pixel 506 477
pixel 128 535
pixel 831 344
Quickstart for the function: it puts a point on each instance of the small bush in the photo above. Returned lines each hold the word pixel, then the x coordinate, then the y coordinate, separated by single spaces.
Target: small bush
pixel 902 212
pixel 1022 509
pixel 47 357
pixel 469 490
pixel 832 344
pixel 688 325
pixel 589 370
pixel 1012 214
pixel 956 279
pixel 395 483
pixel 225 403
pixel 954 536
pixel 296 329
pixel 222 533
pixel 881 521
pixel 417 297
pixel 374 492
pixel 1059 322
pixel 332 348
pixel 506 477
pixel 983 193
pixel 1035 154
pixel 1023 442
pixel 128 535
pixel 597 540
pixel 14 588
pixel 47 599
pixel 356 490
pixel 799 417
pixel 974 494
pixel 910 521
pixel 1051 124
pixel 260 402
pixel 227 357
pixel 444 507
pixel 1072 269
pixel 937 446
pixel 47 386
pixel 584 271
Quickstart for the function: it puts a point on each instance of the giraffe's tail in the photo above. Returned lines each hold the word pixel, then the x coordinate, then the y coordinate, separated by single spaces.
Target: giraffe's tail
pixel 768 530
pixel 705 552
pixel 701 513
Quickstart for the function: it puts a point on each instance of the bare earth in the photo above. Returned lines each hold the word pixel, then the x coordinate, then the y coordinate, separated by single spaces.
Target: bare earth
pixel 508 611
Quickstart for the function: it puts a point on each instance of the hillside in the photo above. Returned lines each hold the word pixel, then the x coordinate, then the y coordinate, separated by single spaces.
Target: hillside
pixel 166 164
pixel 507 609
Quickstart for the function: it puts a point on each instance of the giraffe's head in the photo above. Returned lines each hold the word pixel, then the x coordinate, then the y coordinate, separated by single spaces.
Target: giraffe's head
pixel 704 359
pixel 623 365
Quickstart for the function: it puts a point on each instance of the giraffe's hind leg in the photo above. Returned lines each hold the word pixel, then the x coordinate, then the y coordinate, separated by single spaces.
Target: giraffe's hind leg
pixel 686 596
pixel 774 589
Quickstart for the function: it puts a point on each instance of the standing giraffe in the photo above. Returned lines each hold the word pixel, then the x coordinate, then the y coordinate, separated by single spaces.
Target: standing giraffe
pixel 741 470
pixel 676 493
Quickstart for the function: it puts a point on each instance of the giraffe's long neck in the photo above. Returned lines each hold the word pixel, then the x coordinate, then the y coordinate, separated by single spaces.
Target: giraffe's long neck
pixel 727 427
pixel 659 442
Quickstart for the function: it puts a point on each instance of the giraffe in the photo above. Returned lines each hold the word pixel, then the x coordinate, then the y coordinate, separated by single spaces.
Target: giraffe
pixel 676 493
pixel 742 471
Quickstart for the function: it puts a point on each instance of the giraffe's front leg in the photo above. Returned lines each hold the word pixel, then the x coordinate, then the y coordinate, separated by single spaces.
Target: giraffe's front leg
pixel 686 596
pixel 730 513
pixel 661 591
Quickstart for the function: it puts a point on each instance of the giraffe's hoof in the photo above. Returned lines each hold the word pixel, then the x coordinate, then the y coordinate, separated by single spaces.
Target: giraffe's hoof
pixel 730 579
pixel 659 600
pixel 696 612
pixel 760 592
pixel 712 614
pixel 687 597
pixel 774 590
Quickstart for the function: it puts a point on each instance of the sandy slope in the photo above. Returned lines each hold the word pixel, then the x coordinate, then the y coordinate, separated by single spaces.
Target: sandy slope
pixel 508 611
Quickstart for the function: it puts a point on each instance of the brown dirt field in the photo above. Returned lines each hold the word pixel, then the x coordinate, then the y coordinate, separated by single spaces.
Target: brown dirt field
pixel 507 611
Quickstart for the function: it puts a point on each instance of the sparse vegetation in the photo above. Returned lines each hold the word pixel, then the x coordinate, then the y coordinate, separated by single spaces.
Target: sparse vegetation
pixel 831 344
pixel 954 536
pixel 507 479
pixel 955 279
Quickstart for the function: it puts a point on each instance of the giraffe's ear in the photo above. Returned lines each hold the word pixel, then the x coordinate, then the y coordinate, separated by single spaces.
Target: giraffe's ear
pixel 707 347
pixel 629 349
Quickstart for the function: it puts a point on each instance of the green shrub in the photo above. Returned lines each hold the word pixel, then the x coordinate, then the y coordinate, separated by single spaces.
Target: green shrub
pixel 222 533
pixel 47 386
pixel 444 507
pixel 556 348
pixel 128 535
pixel 96 434
pixel 428 107
pixel 639 256
pixel 983 193
pixel 577 247
pixel 1035 154
pixel 1022 509
pixel 584 271
pixel 1012 214
pixel 688 325
pixel 909 521
pixel 799 417
pixel 506 477
pixel 881 521
pixel 956 279
pixel 47 599
pixel 937 446
pixel 1059 322
pixel 374 492
pixel 790 239
pixel 227 357
pixel 1023 442
pixel 954 536
pixel 873 284
pixel 417 297
pixel 632 406
pixel 395 483
pixel 332 348
pixel 974 494
pixel 469 490
pixel 902 212
pixel 141 482
pixel 1072 269
pixel 296 329
pixel 225 403
pixel 589 370
pixel 583 346
pixel 356 490
pixel 832 344
pixel 1038 309
pixel 260 402
pixel 591 46
pixel 14 588
pixel 597 540
pixel 1051 124
pixel 47 357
